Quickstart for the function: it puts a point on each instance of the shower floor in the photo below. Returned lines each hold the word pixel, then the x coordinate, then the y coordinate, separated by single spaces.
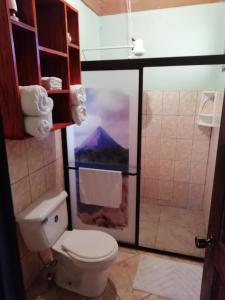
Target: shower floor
pixel 171 229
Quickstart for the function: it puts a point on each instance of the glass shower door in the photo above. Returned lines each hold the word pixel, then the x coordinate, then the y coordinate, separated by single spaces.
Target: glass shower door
pixel 106 141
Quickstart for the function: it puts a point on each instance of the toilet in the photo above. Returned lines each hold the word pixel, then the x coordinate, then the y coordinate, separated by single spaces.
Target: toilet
pixel 83 256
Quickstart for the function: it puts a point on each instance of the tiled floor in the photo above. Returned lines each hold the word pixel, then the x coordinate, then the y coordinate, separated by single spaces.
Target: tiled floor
pixel 171 229
pixel 119 287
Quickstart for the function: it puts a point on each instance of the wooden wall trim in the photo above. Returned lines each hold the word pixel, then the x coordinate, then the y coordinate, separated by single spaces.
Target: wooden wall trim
pixel 109 7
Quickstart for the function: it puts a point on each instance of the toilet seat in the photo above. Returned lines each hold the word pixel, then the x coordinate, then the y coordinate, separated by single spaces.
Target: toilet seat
pixel 87 245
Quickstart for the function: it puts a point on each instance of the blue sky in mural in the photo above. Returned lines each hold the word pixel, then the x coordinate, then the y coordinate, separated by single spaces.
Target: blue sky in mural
pixel 107 110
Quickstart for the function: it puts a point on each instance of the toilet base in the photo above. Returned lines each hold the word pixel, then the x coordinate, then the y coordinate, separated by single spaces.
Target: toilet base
pixel 86 283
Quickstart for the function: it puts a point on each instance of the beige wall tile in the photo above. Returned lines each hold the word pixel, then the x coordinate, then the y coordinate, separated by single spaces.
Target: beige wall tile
pixel 151 188
pixel 152 148
pixel 52 147
pixel 180 194
pixel 185 128
pixel 166 169
pixel 169 126
pixel 168 149
pixel 17 160
pixel 21 194
pixel 165 190
pixel 198 172
pixel 54 175
pixel 35 155
pixel 144 102
pixel 37 184
pixel 181 171
pixel 183 149
pixel 202 133
pixel 153 126
pixel 170 103
pixel 150 168
pixel 154 103
pixel 188 103
pixel 196 193
pixel 200 151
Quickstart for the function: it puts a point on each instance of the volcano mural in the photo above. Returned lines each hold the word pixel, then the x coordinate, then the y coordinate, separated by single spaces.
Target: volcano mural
pixel 105 147
pixel 100 149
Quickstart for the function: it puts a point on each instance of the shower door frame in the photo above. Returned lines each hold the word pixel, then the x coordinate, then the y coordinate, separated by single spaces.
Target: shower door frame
pixel 140 64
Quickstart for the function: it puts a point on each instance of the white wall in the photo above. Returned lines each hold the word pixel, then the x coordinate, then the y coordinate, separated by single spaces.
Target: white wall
pixel 89 28
pixel 182 31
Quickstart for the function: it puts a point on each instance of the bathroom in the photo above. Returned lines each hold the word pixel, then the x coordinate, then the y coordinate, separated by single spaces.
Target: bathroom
pixel 152 79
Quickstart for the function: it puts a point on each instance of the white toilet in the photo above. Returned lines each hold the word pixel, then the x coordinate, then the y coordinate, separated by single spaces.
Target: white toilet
pixel 83 255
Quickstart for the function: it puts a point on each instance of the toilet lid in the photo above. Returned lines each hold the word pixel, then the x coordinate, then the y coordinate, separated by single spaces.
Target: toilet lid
pixel 89 244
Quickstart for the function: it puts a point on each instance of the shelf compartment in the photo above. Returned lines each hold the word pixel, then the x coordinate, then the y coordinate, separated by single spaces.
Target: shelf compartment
pixel 75 67
pixel 55 66
pixel 71 45
pixel 26 56
pixel 73 25
pixel 57 126
pixel 51 21
pixel 23 26
pixel 52 92
pixel 50 52
pixel 62 108
pixel 26 12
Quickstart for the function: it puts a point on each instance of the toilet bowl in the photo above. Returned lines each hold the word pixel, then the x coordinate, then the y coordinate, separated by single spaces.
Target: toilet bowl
pixel 83 256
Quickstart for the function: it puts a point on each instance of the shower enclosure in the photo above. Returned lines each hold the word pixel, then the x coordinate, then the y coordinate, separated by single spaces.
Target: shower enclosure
pixel 168 172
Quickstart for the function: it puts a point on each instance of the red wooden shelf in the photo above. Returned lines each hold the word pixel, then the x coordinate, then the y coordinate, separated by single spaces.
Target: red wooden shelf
pixel 53 92
pixel 71 45
pixel 57 126
pixel 26 58
pixel 22 25
pixel 50 52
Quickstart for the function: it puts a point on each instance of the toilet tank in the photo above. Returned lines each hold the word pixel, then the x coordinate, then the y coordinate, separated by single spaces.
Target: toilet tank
pixel 44 221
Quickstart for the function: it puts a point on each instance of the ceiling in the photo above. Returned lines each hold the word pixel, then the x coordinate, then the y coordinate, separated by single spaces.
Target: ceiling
pixel 111 7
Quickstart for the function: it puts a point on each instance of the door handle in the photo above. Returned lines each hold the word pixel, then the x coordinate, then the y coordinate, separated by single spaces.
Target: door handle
pixel 204 243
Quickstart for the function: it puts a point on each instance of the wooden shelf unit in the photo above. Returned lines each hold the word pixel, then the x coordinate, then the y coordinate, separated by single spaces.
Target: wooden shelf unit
pixel 34 47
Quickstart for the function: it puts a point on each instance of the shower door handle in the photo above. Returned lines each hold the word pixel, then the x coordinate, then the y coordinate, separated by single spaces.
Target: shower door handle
pixel 204 243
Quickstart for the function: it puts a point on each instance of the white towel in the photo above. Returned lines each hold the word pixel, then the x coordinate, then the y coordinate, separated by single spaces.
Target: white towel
pixel 39 127
pixel 100 187
pixel 51 83
pixel 78 94
pixel 12 4
pixel 35 101
pixel 79 114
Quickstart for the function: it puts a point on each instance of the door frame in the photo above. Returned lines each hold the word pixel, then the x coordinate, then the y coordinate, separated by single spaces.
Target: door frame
pixel 11 279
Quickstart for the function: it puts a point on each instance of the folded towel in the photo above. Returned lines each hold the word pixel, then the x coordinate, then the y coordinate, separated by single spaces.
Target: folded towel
pixel 12 4
pixel 78 94
pixel 100 187
pixel 39 127
pixel 79 114
pixel 51 83
pixel 35 101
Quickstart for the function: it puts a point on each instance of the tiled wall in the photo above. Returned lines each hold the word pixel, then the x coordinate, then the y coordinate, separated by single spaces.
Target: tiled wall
pixel 174 150
pixel 35 167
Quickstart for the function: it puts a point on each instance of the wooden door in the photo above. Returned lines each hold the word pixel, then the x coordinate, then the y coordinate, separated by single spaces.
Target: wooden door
pixel 213 284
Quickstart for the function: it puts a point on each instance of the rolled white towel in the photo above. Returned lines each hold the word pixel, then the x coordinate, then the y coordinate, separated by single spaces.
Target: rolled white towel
pixel 78 94
pixel 35 101
pixel 12 4
pixel 79 114
pixel 51 83
pixel 39 127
